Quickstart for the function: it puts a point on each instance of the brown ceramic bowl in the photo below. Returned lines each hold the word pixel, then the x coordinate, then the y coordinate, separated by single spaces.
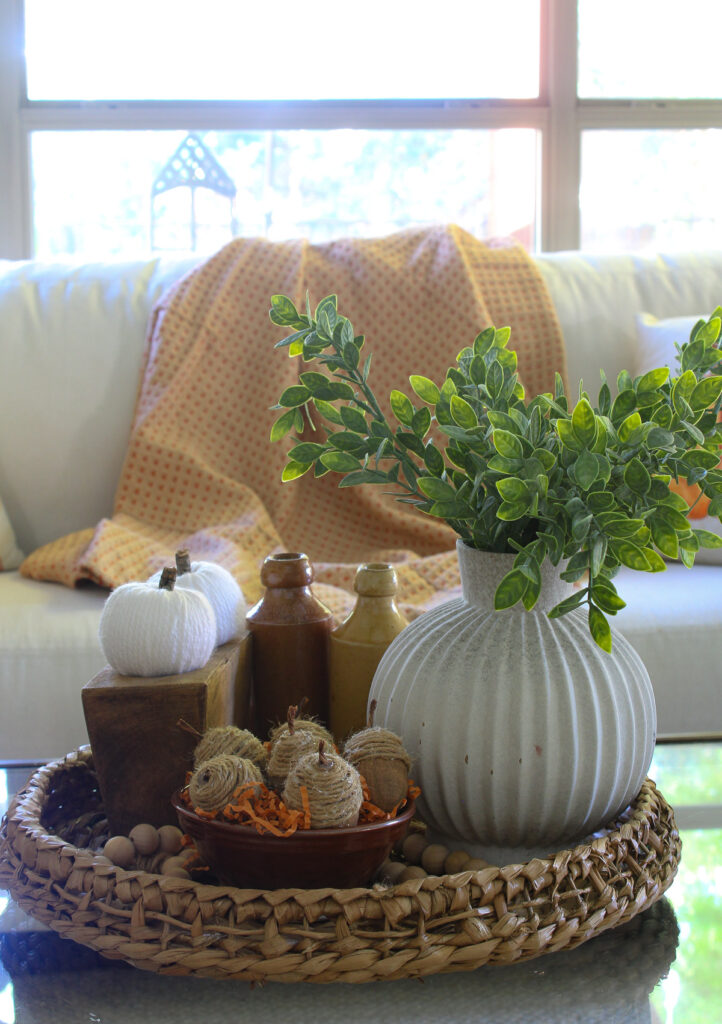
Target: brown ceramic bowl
pixel 339 858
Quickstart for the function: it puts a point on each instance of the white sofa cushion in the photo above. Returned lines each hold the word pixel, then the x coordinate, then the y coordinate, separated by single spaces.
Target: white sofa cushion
pixel 48 649
pixel 72 343
pixel 672 619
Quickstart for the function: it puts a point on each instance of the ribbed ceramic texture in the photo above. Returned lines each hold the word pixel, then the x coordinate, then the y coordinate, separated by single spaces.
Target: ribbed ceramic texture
pixel 523 733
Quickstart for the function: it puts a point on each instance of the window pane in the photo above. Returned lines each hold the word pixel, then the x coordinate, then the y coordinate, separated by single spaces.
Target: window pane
pixel 651 189
pixel 117 193
pixel 227 49
pixel 650 48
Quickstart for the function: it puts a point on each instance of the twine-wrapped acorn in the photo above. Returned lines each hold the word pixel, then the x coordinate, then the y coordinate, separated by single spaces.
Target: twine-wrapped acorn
pixel 214 782
pixel 229 739
pixel 379 756
pixel 333 787
pixel 291 743
pixel 303 724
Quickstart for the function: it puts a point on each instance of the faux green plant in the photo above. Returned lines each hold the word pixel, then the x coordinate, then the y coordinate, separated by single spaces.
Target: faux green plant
pixel 586 486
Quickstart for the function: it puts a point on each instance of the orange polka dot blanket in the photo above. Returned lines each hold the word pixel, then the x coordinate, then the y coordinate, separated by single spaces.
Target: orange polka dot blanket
pixel 200 471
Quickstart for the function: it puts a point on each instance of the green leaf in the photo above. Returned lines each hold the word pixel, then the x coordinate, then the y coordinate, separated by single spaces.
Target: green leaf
pixel 451 510
pixel 568 604
pixel 284 313
pixel 659 438
pixel 477 370
pixel 707 539
pixel 636 477
pixel 507 444
pixel 607 598
pixel 567 435
pixel 433 459
pixel 293 339
pixel 436 489
pixel 364 476
pixel 306 451
pixel 328 411
pixel 664 536
pixel 624 404
pixel 630 555
pixel 340 462
pixel 425 389
pixel 674 518
pixel 628 428
pixel 293 470
pixel 511 590
pixel 694 432
pixel 584 423
pixel 512 489
pixel 348 441
pixel 462 413
pixel 653 380
pixel 339 389
pixel 654 560
pixel 706 393
pixel 600 629
pixel 402 408
pixel 510 511
pixel 600 501
pixel 586 470
pixel 283 424
pixel 421 422
pixel 353 419
pixel 294 396
pixel 484 341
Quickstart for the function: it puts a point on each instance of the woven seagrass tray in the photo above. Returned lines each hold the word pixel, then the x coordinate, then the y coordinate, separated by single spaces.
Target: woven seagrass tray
pixel 419 927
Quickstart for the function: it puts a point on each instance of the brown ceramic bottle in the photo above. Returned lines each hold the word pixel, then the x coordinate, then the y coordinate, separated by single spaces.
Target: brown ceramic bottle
pixel 356 646
pixel 289 629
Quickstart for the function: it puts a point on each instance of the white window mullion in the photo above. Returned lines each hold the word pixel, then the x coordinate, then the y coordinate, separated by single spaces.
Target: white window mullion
pixel 561 166
pixel 14 195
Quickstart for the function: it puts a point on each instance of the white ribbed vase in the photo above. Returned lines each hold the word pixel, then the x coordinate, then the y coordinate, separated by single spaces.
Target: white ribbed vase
pixel 524 734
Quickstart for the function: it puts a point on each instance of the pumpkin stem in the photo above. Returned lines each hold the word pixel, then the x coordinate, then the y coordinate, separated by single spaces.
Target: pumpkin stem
pixel 322 759
pixel 372 711
pixel 167 578
pixel 291 717
pixel 183 561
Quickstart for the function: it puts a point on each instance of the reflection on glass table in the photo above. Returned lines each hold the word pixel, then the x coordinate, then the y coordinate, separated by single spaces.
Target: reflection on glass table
pixel 661 968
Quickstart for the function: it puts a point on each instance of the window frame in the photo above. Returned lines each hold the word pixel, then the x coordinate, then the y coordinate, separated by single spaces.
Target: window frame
pixel 557 114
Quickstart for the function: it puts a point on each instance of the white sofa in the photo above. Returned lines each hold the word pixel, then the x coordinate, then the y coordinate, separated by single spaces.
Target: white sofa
pixel 71 340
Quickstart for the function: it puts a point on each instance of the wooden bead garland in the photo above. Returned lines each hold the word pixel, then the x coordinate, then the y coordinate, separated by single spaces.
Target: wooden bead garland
pixel 157 630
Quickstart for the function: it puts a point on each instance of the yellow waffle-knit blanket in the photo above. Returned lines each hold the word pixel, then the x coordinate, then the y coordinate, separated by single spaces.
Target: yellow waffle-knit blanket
pixel 200 471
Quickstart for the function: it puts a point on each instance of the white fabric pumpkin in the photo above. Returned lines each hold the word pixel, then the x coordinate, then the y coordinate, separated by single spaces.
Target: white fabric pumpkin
pixel 147 630
pixel 223 593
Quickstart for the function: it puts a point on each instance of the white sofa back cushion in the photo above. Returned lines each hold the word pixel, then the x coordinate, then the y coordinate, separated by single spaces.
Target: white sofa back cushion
pixel 72 342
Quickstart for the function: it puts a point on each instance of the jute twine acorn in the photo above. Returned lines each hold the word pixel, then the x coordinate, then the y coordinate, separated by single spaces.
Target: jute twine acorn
pixel 291 743
pixel 332 787
pixel 214 782
pixel 303 724
pixel 379 756
pixel 229 739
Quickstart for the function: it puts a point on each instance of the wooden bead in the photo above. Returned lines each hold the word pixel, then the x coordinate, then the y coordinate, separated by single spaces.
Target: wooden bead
pixel 174 867
pixel 433 857
pixel 120 851
pixel 170 838
pixel 145 839
pixel 476 864
pixel 411 872
pixel 414 845
pixel 391 870
pixel 456 861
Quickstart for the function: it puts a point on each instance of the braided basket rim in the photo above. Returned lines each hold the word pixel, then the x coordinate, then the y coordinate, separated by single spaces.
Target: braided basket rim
pixel 497 915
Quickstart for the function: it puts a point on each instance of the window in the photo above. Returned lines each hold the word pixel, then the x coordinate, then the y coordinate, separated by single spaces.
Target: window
pixel 167 126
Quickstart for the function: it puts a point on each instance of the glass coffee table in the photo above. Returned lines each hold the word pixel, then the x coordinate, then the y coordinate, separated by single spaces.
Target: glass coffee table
pixel 663 967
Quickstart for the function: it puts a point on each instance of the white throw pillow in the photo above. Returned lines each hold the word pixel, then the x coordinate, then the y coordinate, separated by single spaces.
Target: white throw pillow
pixel 10 554
pixel 656 347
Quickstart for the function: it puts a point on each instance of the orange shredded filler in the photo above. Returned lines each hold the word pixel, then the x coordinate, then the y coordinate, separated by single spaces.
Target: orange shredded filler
pixel 256 805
